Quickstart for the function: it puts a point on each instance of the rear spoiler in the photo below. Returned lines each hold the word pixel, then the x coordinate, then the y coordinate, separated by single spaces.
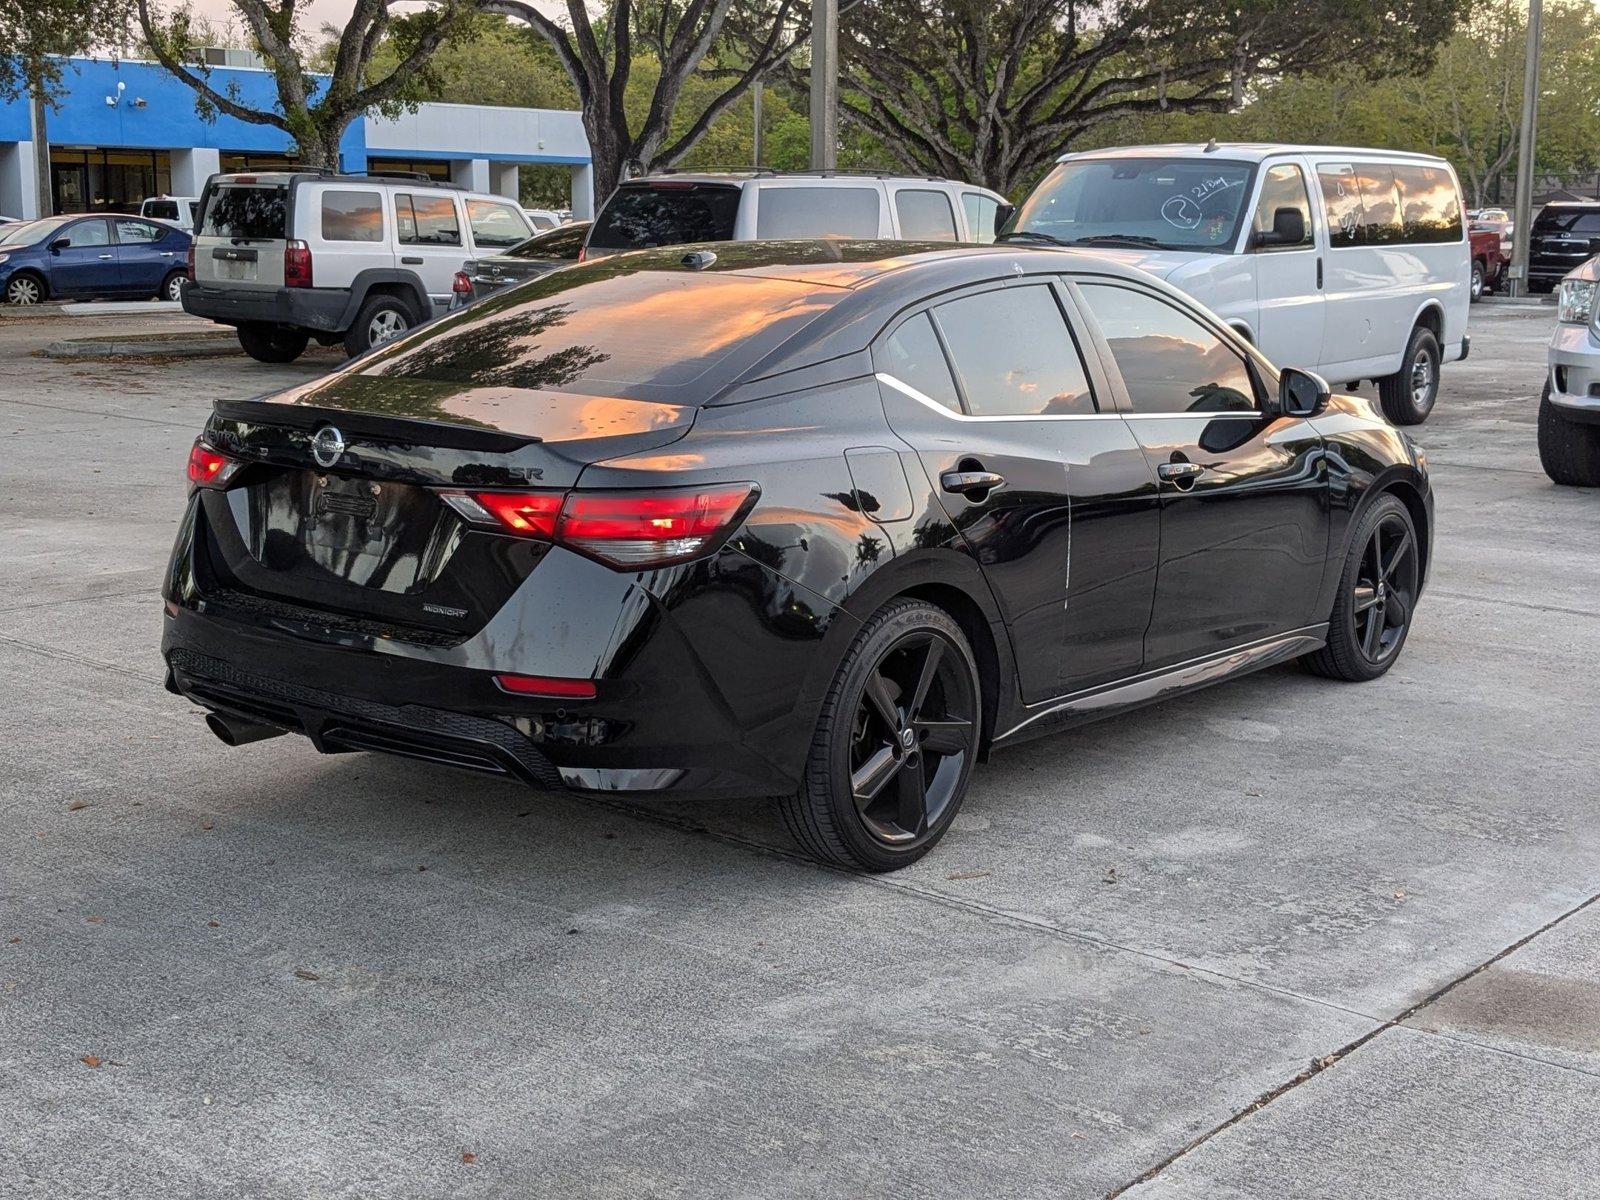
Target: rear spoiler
pixel 371 425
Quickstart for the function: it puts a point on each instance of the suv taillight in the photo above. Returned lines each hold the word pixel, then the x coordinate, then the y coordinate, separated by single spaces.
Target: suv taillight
pixel 296 264
pixel 189 268
pixel 622 529
pixel 461 285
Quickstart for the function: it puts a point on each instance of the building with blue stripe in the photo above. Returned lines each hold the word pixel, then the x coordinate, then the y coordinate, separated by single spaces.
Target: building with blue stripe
pixel 124 130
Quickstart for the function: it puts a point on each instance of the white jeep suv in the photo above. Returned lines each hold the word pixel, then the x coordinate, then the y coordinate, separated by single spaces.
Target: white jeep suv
pixel 285 257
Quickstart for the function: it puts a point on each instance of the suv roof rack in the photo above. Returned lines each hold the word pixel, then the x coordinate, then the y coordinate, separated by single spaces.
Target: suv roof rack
pixel 331 173
pixel 828 173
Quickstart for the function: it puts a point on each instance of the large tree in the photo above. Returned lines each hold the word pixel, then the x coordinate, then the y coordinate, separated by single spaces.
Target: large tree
pixel 735 42
pixel 994 90
pixel 314 111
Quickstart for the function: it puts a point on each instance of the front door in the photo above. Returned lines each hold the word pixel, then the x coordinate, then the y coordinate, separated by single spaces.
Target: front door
pixel 1051 496
pixel 1244 516
pixel 1288 269
pixel 87 264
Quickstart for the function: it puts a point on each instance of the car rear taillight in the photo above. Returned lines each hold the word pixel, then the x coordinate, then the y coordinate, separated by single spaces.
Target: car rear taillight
pixel 622 529
pixel 461 285
pixel 210 468
pixel 189 268
pixel 583 253
pixel 296 264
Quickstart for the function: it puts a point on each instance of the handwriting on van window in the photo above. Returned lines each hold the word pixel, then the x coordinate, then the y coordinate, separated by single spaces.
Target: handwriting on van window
pixel 1183 209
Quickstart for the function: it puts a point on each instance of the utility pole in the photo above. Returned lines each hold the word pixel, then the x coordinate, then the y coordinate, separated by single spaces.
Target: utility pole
pixel 825 84
pixel 1522 218
pixel 755 116
pixel 40 134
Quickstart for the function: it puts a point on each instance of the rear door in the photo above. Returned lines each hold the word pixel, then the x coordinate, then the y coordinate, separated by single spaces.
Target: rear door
pixel 431 240
pixel 1288 269
pixel 146 253
pixel 1023 452
pixel 347 229
pixel 1244 519
pixel 242 234
pixel 87 264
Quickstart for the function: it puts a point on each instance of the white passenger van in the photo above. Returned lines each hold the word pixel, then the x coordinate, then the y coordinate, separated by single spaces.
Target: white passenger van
pixel 1351 263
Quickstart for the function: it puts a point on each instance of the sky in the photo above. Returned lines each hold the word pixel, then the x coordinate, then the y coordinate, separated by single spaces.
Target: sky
pixel 318 12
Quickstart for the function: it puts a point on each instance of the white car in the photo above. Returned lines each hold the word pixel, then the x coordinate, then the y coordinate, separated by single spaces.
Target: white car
pixel 175 210
pixel 1569 410
pixel 544 218
pixel 740 206
pixel 1348 262
pixel 288 256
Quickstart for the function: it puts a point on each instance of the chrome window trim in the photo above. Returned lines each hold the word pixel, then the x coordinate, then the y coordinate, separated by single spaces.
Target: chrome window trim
pixel 929 402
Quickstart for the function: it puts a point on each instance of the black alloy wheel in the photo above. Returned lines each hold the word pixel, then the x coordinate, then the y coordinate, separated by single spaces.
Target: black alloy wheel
pixel 1377 596
pixel 895 745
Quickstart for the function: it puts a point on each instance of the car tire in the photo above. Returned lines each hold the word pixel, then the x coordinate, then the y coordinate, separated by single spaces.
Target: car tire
pixel 26 288
pixel 1409 394
pixel 895 743
pixel 172 286
pixel 1569 451
pixel 382 318
pixel 1376 601
pixel 271 344
pixel 1475 288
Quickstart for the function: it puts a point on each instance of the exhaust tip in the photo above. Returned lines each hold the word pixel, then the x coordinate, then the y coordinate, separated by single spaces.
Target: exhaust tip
pixel 238 733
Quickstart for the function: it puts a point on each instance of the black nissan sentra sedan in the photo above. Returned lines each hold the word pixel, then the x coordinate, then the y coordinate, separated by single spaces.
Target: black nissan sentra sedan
pixel 830 521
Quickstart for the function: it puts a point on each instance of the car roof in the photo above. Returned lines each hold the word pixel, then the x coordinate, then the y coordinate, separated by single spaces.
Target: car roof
pixel 1246 151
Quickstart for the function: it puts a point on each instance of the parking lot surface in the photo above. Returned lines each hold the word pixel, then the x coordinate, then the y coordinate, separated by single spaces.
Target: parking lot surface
pixel 1285 937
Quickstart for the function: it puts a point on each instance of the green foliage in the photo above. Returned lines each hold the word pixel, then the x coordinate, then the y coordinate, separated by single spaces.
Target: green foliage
pixel 35 34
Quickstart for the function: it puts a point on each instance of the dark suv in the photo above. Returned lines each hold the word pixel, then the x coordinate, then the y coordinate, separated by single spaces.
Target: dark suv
pixel 1565 235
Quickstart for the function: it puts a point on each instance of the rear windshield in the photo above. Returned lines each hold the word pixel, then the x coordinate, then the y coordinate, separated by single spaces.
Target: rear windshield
pixel 256 214
pixel 166 210
pixel 1569 220
pixel 604 329
pixel 666 214
pixel 564 242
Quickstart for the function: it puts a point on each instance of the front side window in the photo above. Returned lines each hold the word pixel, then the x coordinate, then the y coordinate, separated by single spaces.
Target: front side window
pixel 1014 355
pixel 248 213
pixel 1169 361
pixel 1283 189
pixel 427 220
pixel 914 357
pixel 496 224
pixel 980 210
pixel 1174 203
pixel 352 216
pixel 89 233
pixel 925 215
pixel 817 212
pixel 131 232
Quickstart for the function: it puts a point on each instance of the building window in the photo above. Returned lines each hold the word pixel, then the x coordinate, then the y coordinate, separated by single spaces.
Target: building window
pixel 94 179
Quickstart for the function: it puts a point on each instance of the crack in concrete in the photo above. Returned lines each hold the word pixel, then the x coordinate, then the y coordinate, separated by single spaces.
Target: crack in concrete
pixel 1546 608
pixel 1324 1063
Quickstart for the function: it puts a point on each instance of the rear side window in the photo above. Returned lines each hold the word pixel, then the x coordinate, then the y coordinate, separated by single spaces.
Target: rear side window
pixel 1430 210
pixel 255 214
pixel 496 224
pixel 817 212
pixel 925 215
pixel 131 232
pixel 914 357
pixel 1014 355
pixel 980 215
pixel 1341 202
pixel 427 220
pixel 637 217
pixel 1169 361
pixel 1380 204
pixel 352 216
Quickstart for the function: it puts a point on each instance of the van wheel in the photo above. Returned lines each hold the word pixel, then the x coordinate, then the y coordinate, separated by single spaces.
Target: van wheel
pixel 270 344
pixel 1408 395
pixel 172 286
pixel 1476 289
pixel 895 743
pixel 1569 451
pixel 381 319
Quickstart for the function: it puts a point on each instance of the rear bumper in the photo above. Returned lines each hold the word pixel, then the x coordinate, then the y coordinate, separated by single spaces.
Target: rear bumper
pixel 321 309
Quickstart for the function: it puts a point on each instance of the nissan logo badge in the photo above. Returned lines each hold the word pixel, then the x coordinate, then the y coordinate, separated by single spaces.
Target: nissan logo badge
pixel 327 446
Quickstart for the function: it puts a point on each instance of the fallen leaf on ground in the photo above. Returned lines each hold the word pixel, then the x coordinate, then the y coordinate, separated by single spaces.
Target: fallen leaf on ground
pixel 301 973
pixel 207 825
pixel 95 920
pixel 214 924
pixel 1400 895
pixel 468 1157
pixel 968 875
pixel 89 1060
pixel 75 805
pixel 14 940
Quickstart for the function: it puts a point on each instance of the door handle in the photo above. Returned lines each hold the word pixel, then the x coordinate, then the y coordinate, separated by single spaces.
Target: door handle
pixel 1180 474
pixel 105 256
pixel 962 482
pixel 1319 272
pixel 412 262
pixel 169 254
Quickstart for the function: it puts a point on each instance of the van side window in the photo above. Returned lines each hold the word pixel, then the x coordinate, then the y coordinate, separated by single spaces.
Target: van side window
pixel 1380 204
pixel 427 220
pixel 352 217
pixel 925 215
pixel 1282 187
pixel 814 212
pixel 1014 354
pixel 980 215
pixel 1430 210
pixel 1169 361
pixel 1341 203
pixel 914 357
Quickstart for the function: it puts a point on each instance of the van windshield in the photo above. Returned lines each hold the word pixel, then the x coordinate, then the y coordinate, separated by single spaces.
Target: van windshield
pixel 1169 203
pixel 248 213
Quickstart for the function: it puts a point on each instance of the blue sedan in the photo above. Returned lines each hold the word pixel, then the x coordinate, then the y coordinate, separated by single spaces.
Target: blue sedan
pixel 92 258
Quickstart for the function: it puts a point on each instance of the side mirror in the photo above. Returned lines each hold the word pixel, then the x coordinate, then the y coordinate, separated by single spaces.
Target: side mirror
pixel 60 244
pixel 1002 216
pixel 1288 229
pixel 1302 393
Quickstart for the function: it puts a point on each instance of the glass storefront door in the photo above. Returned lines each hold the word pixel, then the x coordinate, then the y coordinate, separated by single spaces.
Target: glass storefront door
pixel 100 180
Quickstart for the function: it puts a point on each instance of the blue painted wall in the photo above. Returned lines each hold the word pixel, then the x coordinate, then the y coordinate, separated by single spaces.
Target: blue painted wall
pixel 168 119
